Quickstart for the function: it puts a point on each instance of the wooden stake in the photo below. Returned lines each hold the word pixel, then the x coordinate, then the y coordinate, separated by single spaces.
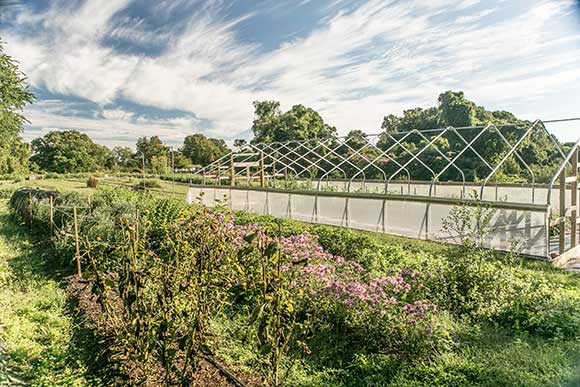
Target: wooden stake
pixel 562 236
pixel 30 208
pixel 51 201
pixel 262 177
pixel 219 173
pixel 574 202
pixel 136 224
pixel 232 170
pixel 77 249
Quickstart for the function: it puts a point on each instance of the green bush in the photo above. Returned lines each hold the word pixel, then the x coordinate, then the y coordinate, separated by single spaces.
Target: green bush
pixel 144 184
pixel 92 182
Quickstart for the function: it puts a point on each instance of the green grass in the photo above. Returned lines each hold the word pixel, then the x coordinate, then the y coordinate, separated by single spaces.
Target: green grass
pixel 77 185
pixel 492 357
pixel 37 332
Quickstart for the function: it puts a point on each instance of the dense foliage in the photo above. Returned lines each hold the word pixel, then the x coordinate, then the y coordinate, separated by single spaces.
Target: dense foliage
pixel 14 96
pixel 179 284
pixel 69 152
pixel 298 123
pixel 455 110
pixel 154 153
pixel 201 150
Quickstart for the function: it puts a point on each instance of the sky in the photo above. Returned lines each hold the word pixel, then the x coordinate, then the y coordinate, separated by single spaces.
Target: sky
pixel 121 69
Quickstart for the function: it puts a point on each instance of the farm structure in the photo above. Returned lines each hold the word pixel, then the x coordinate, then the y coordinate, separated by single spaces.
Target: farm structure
pixel 410 184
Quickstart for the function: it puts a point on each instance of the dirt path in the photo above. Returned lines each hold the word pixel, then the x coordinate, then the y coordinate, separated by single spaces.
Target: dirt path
pixel 36 331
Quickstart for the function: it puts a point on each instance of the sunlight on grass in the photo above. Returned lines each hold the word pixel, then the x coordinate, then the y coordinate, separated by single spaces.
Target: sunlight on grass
pixel 36 331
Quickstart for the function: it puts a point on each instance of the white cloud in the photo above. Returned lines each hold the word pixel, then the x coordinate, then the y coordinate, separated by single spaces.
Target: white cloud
pixel 112 127
pixel 354 67
pixel 117 114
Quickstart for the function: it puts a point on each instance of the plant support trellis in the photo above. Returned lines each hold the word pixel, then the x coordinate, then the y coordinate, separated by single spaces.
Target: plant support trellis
pixel 534 203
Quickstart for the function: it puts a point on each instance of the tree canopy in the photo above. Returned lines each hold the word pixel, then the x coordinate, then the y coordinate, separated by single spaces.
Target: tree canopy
pixel 298 123
pixel 453 109
pixel 202 150
pixel 68 152
pixel 14 96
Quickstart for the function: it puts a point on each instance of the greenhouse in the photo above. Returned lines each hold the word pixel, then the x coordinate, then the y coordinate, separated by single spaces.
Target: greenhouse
pixel 412 183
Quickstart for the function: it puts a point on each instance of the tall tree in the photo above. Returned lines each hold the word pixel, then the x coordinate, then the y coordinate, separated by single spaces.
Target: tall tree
pixel 240 143
pixel 153 150
pixel 14 96
pixel 298 123
pixel 453 109
pixel 69 151
pixel 202 150
pixel 124 158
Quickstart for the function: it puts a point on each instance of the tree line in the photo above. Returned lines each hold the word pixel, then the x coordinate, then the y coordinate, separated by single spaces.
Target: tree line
pixel 71 151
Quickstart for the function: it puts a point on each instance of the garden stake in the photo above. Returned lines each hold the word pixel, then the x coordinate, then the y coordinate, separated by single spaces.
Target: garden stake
pixel 77 251
pixel 137 225
pixel 262 169
pixel 30 208
pixel 50 199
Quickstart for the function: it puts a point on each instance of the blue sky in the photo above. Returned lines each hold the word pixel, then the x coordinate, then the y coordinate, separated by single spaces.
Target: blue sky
pixel 120 69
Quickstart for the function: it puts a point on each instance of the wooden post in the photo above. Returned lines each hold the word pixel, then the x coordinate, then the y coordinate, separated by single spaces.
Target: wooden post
pixel 574 202
pixel 77 249
pixel 51 201
pixel 172 172
pixel 136 224
pixel 232 170
pixel 30 208
pixel 143 170
pixel 262 176
pixel 562 236
pixel 219 173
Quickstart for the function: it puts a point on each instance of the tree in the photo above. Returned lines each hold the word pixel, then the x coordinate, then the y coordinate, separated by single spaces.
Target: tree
pixel 124 158
pixel 69 152
pixel 266 119
pixel 202 150
pixel 160 164
pixel 240 143
pixel 152 149
pixel 298 123
pixel 181 161
pixel 453 109
pixel 391 123
pixel 14 96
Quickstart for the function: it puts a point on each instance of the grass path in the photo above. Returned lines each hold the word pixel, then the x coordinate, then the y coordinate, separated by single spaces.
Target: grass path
pixel 36 332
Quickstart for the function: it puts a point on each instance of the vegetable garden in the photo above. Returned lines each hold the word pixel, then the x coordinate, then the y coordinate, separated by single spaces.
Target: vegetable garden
pixel 178 294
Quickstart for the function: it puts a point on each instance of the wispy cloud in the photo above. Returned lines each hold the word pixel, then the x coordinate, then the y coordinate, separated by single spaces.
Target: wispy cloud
pixel 361 61
pixel 107 126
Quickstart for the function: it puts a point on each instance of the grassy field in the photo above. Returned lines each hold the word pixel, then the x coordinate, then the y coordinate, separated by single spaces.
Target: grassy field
pixel 37 329
pixel 163 187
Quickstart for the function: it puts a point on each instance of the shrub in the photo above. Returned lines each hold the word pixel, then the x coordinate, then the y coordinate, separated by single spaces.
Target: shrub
pixel 92 182
pixel 144 184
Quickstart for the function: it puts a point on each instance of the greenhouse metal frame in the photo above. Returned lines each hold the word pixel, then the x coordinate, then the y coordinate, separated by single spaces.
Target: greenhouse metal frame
pixel 369 176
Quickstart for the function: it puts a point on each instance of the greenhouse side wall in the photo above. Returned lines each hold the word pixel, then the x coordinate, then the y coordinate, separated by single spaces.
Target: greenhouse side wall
pixel 510 226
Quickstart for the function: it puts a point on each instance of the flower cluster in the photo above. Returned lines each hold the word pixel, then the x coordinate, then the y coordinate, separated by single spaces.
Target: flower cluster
pixel 337 288
pixel 418 310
